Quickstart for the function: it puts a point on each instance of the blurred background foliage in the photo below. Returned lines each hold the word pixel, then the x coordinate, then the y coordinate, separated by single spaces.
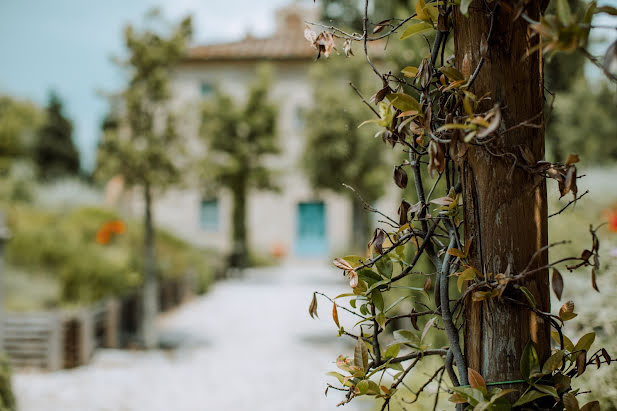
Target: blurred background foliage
pixel 336 151
pixel 53 258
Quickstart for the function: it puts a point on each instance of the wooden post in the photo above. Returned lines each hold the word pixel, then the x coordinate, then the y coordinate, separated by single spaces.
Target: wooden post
pixel 506 216
pixel 86 343
pixel 55 351
pixel 112 323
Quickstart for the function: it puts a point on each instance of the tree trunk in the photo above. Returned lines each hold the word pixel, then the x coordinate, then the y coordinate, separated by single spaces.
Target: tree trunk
pixel 239 253
pixel 505 217
pixel 150 294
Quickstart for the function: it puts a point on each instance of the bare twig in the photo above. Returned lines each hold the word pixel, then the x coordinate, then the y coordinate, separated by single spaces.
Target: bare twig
pixel 569 204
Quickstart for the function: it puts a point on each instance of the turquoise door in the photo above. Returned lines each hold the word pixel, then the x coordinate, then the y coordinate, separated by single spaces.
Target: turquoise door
pixel 311 238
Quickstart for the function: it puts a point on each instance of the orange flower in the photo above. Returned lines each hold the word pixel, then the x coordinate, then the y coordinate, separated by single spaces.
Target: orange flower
pixel 108 229
pixel 103 236
pixel 612 222
pixel 116 226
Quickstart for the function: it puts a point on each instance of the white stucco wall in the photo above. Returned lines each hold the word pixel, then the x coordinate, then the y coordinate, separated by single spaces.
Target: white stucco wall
pixel 272 217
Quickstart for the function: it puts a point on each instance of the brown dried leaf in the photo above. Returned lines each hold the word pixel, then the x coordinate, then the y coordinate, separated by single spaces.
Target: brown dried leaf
pixel 570 182
pixel 400 177
pixel 379 237
pixel 557 283
pixel 466 66
pixel 493 125
pixel 342 264
pixel 381 94
pixel 597 361
pixel 475 379
pixel 591 406
pixel 437 159
pixel 442 201
pixel 310 35
pixel 607 357
pixel 554 174
pixel 527 155
pixel 353 279
pixel 335 315
pixel 483 45
pixel 324 44
pixel 572 159
pixel 313 307
pixel 414 319
pixel 381 25
pixel 581 363
pixel 403 212
pixel 427 284
pixel 593 280
pixel 570 402
pixel 347 48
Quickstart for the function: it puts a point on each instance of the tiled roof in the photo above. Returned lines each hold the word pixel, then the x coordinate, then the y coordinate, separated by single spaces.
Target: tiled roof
pixel 287 42
pixel 277 47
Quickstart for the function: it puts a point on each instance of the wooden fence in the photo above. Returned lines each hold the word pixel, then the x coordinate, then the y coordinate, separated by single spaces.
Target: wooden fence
pixel 54 340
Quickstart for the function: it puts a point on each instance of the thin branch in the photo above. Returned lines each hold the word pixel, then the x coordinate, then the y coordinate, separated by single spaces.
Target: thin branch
pixel 363 99
pixel 569 204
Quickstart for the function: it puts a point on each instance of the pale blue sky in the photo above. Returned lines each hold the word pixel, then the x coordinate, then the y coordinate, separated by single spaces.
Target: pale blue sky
pixel 65 45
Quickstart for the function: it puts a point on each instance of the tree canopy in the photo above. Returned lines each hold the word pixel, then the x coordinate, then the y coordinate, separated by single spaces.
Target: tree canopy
pixel 55 153
pixel 239 138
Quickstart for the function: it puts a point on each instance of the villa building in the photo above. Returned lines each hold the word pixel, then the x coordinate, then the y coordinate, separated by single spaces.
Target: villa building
pixel 295 222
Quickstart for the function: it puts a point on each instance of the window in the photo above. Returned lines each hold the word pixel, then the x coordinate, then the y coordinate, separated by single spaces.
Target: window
pixel 209 215
pixel 299 117
pixel 206 89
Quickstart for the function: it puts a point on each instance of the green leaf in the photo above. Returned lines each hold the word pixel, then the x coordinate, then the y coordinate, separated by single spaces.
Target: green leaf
pixel 392 351
pixel 394 304
pixel 381 320
pixel 529 361
pixel 384 266
pixel 563 12
pixel 410 71
pixel 377 300
pixel 406 336
pixel 547 389
pixel 362 387
pixel 472 395
pixel 338 375
pixel 553 362
pixel 415 29
pixel 584 343
pixel 465 6
pixel 452 73
pixel 360 355
pixel 373 388
pixel 354 260
pixel 455 126
pixel 567 343
pixel 361 288
pixel 529 296
pixel 377 285
pixel 369 122
pixel 404 102
pixel 529 396
pixel 370 276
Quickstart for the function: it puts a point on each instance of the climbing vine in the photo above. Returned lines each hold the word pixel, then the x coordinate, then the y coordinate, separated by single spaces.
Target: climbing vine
pixel 432 113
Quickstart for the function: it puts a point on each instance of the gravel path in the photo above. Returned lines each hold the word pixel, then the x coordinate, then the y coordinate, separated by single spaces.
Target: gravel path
pixel 248 344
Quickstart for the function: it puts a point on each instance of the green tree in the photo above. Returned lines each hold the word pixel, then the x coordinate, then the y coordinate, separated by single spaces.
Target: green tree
pixel 336 151
pixel 238 138
pixel 583 122
pixel 141 143
pixel 55 153
pixel 19 122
